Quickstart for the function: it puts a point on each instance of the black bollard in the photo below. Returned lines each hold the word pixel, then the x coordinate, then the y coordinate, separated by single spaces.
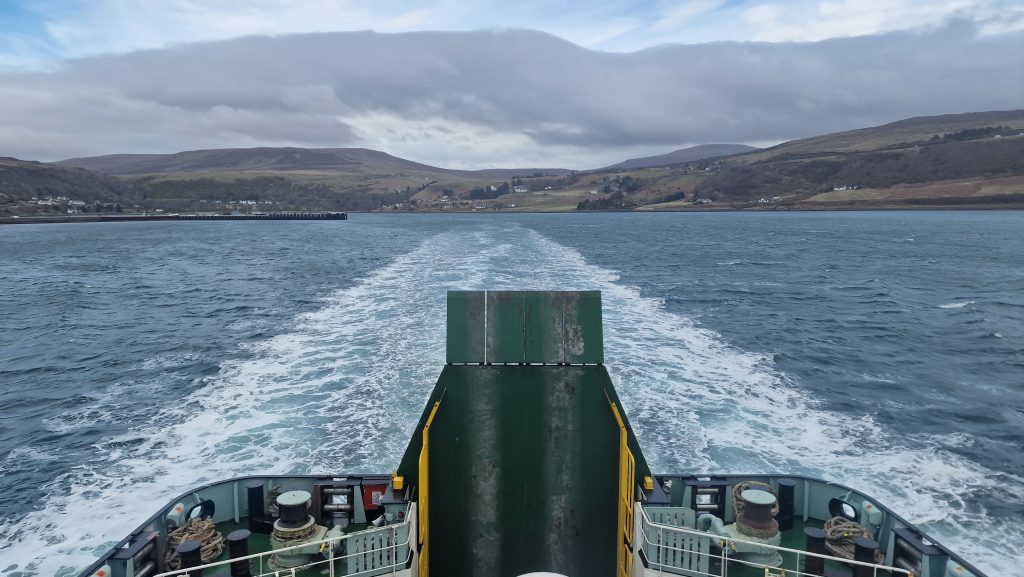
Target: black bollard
pixel 191 556
pixel 787 490
pixel 254 492
pixel 814 543
pixel 864 550
pixel 238 546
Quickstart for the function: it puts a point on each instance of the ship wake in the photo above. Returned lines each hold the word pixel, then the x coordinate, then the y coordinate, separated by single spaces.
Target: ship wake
pixel 340 391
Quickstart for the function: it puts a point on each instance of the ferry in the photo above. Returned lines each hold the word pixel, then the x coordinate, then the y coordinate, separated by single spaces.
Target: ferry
pixel 524 462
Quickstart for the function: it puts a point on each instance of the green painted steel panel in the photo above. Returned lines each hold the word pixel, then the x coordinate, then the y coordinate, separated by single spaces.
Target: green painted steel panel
pixel 523 472
pixel 505 327
pixel 544 327
pixel 524 458
pixel 582 310
pixel 465 338
pixel 583 328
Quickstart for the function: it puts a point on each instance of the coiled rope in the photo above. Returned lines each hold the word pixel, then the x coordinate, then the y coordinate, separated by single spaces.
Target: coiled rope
pixel 840 533
pixel 196 529
pixel 738 503
pixel 754 532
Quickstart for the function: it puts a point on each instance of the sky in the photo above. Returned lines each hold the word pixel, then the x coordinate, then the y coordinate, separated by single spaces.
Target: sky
pixel 489 83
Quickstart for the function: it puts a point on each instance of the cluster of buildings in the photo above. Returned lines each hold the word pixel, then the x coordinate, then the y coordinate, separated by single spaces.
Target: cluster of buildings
pixel 57 201
pixel 240 202
pixel 73 206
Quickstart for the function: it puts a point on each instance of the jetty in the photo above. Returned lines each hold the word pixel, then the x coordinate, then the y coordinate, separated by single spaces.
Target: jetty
pixel 55 219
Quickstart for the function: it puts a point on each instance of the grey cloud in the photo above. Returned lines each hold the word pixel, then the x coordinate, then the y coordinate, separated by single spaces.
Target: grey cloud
pixel 313 90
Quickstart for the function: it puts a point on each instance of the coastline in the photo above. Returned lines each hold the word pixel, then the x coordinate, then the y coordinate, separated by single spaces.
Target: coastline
pixel 63 219
pixel 66 219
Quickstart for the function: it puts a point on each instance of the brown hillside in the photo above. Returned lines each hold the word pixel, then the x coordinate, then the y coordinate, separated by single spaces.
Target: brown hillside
pixel 894 134
pixel 20 180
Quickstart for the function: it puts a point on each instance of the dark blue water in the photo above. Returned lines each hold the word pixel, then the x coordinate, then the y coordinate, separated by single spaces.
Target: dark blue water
pixel 885 350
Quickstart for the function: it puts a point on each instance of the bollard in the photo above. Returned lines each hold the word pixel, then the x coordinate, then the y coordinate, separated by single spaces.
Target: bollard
pixel 787 490
pixel 191 556
pixel 254 494
pixel 814 543
pixel 864 550
pixel 238 546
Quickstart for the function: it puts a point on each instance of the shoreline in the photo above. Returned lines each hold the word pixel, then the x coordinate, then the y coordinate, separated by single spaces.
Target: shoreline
pixel 64 219
pixel 59 219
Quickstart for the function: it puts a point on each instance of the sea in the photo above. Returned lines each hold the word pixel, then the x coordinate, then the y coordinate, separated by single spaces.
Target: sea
pixel 883 350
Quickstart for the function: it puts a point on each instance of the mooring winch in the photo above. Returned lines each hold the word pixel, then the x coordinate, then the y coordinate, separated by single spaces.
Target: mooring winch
pixel 754 523
pixel 295 527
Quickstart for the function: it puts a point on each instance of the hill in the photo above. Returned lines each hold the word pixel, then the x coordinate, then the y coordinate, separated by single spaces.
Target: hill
pixel 292 178
pixel 21 181
pixel 694 153
pixel 939 160
pixel 897 134
pixel 968 160
pixel 342 160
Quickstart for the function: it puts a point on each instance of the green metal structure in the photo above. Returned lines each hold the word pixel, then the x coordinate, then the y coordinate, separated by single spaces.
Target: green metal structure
pixel 525 455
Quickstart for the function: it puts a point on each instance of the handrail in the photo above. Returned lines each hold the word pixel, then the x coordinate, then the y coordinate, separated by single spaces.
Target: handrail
pixel 732 541
pixel 332 543
pixel 423 495
pixel 624 526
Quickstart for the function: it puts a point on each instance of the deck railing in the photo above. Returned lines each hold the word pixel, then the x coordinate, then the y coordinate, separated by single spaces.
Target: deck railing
pixel 681 550
pixel 375 551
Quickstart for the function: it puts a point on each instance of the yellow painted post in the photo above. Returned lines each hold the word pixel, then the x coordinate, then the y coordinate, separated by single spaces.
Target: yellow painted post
pixel 423 494
pixel 627 480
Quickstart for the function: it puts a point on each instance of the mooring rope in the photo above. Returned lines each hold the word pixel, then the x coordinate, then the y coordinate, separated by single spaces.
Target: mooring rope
pixel 200 530
pixel 738 503
pixel 754 532
pixel 840 533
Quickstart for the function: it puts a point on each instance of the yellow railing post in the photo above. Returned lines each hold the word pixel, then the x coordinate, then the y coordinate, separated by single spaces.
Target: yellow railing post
pixel 423 494
pixel 627 482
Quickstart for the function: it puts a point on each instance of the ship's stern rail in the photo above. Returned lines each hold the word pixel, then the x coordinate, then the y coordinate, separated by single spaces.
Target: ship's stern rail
pixel 684 551
pixel 815 524
pixel 361 522
pixel 375 551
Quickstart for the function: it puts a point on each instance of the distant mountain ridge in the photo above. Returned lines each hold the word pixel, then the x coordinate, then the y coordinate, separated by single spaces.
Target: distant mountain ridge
pixel 348 160
pixel 286 159
pixel 912 155
pixel 972 159
pixel 899 134
pixel 691 154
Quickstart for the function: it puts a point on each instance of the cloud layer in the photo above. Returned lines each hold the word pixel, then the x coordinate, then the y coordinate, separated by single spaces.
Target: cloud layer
pixel 499 98
pixel 38 32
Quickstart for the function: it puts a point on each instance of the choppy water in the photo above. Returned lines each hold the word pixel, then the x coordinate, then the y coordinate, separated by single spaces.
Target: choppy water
pixel 883 350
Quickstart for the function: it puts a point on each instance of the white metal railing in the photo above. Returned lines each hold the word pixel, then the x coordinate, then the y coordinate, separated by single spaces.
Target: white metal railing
pixel 362 558
pixel 660 556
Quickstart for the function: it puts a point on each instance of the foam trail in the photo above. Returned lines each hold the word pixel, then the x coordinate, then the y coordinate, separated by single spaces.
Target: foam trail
pixel 341 390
